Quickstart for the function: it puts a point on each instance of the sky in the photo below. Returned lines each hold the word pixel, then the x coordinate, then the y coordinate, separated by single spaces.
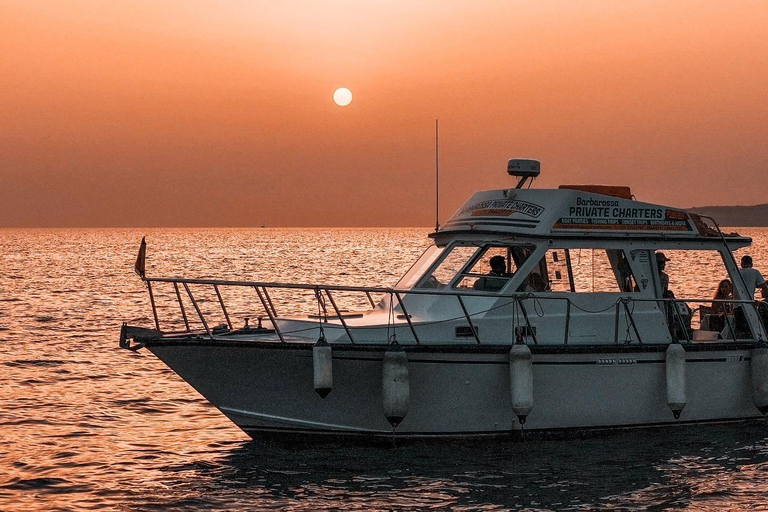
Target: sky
pixel 200 113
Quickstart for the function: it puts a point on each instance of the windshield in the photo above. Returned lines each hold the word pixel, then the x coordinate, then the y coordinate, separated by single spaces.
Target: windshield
pixel 425 261
pixel 452 263
pixel 482 268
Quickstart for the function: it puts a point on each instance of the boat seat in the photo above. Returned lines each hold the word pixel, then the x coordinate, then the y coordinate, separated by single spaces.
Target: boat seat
pixel 704 311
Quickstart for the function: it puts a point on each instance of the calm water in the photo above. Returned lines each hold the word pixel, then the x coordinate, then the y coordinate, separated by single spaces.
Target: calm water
pixel 86 425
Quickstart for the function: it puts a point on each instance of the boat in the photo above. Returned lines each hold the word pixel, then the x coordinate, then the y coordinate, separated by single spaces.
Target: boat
pixel 544 310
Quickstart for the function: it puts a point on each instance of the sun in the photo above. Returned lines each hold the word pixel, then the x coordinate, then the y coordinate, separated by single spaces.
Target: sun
pixel 342 96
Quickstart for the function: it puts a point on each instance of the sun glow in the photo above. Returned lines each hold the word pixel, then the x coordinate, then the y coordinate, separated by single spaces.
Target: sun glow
pixel 342 96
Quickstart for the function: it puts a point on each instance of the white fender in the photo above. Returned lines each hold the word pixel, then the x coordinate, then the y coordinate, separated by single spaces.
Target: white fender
pixel 521 380
pixel 395 386
pixel 759 367
pixel 675 368
pixel 322 361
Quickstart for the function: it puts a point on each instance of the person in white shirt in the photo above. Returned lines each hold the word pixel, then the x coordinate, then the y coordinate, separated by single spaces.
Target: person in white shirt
pixel 752 277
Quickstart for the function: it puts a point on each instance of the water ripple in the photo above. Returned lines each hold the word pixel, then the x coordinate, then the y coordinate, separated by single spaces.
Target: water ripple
pixel 85 425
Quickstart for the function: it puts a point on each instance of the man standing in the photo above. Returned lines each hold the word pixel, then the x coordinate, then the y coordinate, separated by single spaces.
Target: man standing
pixel 661 263
pixel 752 277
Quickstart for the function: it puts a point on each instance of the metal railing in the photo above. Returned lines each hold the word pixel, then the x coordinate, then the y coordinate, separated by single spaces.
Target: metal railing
pixel 520 317
pixel 321 292
pixel 670 306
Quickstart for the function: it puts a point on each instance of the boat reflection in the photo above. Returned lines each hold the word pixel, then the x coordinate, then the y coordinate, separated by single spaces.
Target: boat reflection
pixel 657 468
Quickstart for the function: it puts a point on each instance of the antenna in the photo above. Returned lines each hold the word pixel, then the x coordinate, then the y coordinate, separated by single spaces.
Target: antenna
pixel 437 176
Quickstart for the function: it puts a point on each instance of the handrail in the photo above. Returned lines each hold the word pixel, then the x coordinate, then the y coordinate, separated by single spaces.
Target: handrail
pixel 625 302
pixel 411 291
pixel 341 317
pixel 223 308
pixel 269 314
pixel 731 327
pixel 516 298
pixel 197 308
pixel 527 321
pixel 713 301
pixel 469 320
pixel 181 306
pixel 269 301
pixel 154 308
pixel 407 317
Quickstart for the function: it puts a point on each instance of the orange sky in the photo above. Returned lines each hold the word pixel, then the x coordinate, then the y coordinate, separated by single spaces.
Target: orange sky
pixel 219 113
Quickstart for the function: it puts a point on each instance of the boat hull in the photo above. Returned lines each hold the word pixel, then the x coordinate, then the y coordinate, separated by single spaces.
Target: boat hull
pixel 267 388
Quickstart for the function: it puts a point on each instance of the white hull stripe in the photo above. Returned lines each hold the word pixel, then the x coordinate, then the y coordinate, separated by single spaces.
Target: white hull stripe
pixel 297 422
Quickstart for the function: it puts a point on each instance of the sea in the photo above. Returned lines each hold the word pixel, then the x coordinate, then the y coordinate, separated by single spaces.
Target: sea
pixel 85 425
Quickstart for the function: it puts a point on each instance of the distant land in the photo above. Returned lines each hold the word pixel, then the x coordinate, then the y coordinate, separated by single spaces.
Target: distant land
pixel 736 216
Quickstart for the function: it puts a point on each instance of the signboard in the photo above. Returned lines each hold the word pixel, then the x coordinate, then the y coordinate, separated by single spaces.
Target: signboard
pixel 501 207
pixel 589 214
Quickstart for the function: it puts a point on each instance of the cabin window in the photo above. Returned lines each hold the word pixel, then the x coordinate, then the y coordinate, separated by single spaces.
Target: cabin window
pixel 426 260
pixel 695 273
pixel 582 271
pixel 493 267
pixel 451 264
pixel 551 274
pixel 601 270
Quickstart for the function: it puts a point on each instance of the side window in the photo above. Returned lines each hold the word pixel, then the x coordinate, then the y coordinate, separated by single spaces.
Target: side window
pixel 483 264
pixel 555 273
pixel 494 267
pixel 601 270
pixel 680 265
pixel 582 271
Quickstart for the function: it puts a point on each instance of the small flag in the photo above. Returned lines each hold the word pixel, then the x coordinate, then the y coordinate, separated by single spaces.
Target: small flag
pixel 141 258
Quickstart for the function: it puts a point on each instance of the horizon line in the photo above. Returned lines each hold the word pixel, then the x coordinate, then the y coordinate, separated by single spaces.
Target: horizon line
pixel 216 227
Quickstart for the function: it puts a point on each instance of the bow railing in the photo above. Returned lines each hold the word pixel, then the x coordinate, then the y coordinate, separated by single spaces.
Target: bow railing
pixel 329 309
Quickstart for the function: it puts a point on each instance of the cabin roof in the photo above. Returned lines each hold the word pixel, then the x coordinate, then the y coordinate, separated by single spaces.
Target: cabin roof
pixel 576 211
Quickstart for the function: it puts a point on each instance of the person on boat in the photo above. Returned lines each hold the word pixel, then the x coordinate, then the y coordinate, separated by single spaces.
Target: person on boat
pixel 752 277
pixel 720 311
pixel 661 263
pixel 724 292
pixel 432 282
pixel 498 276
pixel 762 309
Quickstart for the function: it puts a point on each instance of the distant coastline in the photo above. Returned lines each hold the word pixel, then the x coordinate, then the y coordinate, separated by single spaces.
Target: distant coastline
pixel 736 216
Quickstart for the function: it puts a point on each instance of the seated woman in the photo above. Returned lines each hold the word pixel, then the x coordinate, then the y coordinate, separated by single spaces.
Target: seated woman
pixel 722 309
pixel 724 292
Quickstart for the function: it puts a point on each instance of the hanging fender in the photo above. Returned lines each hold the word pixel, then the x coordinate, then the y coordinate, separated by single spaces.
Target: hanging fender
pixel 322 363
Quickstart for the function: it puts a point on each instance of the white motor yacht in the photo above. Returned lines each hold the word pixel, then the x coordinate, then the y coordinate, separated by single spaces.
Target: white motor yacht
pixel 533 309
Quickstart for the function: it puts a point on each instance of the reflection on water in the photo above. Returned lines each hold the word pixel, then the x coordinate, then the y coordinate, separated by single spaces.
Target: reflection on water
pixel 668 467
pixel 85 425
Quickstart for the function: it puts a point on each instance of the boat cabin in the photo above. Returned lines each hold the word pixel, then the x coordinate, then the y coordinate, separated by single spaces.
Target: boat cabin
pixel 586 264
